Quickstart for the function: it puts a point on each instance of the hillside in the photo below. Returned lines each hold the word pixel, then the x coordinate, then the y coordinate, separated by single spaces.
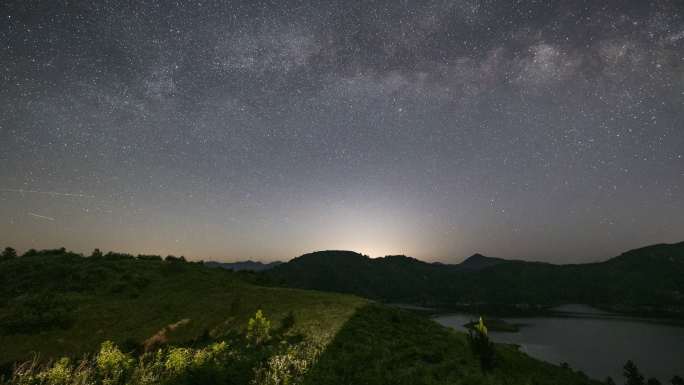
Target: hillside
pixel 643 280
pixel 61 303
pixel 56 304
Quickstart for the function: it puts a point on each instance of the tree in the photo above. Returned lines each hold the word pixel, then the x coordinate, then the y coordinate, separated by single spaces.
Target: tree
pixel 96 254
pixel 8 253
pixel 676 380
pixel 609 381
pixel 258 329
pixel 478 336
pixel 632 374
pixel 652 381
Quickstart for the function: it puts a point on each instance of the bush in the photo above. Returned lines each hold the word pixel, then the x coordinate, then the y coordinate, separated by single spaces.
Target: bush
pixel 478 337
pixel 60 373
pixel 258 329
pixel 632 374
pixel 289 367
pixel 113 365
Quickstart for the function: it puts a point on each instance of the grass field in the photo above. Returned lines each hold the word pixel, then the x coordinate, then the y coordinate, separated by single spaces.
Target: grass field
pixel 129 300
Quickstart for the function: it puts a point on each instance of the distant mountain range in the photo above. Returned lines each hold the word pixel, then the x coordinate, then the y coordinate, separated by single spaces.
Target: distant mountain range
pixel 243 265
pixel 649 279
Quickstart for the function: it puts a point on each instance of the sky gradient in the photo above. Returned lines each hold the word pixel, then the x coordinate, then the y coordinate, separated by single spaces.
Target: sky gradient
pixel 543 130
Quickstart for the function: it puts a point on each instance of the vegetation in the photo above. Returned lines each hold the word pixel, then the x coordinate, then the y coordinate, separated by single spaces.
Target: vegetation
pixel 478 337
pixel 383 345
pixel 634 377
pixel 642 280
pixel 58 303
pixel 494 324
pixel 115 319
pixel 277 362
pixel 632 374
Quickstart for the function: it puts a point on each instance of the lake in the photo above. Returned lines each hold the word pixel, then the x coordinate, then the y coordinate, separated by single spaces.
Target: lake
pixel 596 342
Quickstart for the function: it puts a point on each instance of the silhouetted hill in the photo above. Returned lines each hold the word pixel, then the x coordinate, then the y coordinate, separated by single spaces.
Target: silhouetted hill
pixel 350 272
pixel 479 262
pixel 243 265
pixel 648 279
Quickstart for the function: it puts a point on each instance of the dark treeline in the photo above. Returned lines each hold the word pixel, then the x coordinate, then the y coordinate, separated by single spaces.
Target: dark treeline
pixel 10 253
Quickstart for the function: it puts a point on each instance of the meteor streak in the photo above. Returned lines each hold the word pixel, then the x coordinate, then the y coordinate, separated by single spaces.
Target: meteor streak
pixel 41 216
pixel 51 193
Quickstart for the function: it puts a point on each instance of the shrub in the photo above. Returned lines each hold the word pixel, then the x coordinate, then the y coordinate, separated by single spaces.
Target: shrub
pixel 478 336
pixel 59 374
pixel 632 374
pixel 178 360
pixel 287 368
pixel 211 354
pixel 113 365
pixel 258 329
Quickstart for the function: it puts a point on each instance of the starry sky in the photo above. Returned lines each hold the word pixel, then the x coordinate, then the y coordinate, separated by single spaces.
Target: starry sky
pixel 545 130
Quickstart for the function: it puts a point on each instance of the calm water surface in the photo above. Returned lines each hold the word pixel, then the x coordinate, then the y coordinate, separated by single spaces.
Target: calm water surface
pixel 595 342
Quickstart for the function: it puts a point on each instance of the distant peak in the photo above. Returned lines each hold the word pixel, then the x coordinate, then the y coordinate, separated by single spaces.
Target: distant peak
pixel 478 261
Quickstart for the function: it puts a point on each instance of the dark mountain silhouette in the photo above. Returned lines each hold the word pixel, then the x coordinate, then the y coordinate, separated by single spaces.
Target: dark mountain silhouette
pixel 243 265
pixel 645 279
pixel 479 262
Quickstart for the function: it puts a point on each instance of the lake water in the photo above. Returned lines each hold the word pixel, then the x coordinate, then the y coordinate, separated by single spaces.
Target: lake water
pixel 596 342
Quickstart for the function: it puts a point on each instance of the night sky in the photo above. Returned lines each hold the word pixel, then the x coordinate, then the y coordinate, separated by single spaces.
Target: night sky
pixel 544 130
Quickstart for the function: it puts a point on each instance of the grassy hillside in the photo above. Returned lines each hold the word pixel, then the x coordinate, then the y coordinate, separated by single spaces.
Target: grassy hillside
pixel 381 345
pixel 647 279
pixel 64 304
pixel 60 304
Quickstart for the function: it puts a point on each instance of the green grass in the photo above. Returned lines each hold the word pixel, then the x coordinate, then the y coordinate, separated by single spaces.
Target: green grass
pixel 382 345
pixel 104 303
pixel 60 304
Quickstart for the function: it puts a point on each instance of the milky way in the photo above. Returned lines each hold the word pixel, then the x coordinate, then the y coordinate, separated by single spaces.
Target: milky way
pixel 546 130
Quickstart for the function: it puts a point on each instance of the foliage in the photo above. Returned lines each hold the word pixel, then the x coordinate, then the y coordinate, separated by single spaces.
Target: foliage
pixel 382 345
pixel 214 363
pixel 64 303
pixel 8 253
pixel 30 313
pixel 289 367
pixel 478 338
pixel 258 329
pixel 113 365
pixel 336 339
pixel 632 374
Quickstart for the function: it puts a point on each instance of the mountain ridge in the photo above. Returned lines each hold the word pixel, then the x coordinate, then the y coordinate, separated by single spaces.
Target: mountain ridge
pixel 643 279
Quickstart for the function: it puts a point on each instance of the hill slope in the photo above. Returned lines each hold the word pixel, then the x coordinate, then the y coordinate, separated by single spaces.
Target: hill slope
pixel 646 279
pixel 59 304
